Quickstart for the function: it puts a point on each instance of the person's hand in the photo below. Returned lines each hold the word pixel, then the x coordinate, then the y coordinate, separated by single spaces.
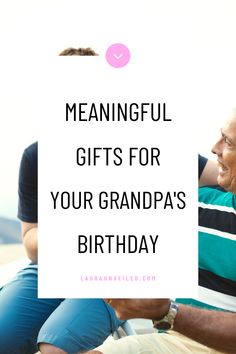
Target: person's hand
pixel 140 308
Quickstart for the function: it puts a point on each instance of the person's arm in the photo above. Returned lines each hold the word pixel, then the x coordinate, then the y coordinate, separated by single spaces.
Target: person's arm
pixel 209 174
pixel 28 200
pixel 215 329
pixel 30 239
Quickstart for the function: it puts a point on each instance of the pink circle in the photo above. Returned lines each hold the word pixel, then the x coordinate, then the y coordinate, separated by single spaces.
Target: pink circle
pixel 118 55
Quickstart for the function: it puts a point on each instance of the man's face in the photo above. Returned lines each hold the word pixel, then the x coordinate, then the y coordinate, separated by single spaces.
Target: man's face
pixel 225 149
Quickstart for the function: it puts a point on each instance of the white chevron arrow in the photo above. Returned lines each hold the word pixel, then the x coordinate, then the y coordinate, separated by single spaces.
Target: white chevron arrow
pixel 118 56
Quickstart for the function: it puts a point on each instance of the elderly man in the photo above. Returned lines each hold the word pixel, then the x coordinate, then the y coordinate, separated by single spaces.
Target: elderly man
pixel 209 324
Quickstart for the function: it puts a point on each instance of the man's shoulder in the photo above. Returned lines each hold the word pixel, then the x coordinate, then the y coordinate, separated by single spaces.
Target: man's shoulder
pixel 216 195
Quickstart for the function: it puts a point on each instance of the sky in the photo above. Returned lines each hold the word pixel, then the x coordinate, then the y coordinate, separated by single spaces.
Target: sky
pixel 32 32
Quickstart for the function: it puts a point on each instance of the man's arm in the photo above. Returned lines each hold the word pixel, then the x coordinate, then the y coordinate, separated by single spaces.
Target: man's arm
pixel 30 239
pixel 215 329
pixel 209 174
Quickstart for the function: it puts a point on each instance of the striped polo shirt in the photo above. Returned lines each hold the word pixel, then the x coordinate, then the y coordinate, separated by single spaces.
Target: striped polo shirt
pixel 217 250
pixel 217 247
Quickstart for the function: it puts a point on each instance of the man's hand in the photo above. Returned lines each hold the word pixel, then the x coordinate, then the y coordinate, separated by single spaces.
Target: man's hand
pixel 215 329
pixel 140 308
